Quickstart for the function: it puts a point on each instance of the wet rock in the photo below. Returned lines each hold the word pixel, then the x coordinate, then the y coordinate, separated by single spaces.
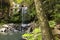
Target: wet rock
pixel 9 28
pixel 2 29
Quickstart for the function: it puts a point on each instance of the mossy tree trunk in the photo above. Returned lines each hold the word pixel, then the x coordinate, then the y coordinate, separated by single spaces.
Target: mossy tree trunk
pixel 44 25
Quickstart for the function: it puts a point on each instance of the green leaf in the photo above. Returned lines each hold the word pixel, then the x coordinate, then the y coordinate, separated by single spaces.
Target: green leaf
pixel 36 30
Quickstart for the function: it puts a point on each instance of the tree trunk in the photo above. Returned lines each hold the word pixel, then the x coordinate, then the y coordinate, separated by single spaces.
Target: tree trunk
pixel 46 32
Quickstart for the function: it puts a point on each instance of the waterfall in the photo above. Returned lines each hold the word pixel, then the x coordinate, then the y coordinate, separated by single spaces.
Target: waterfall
pixel 24 12
pixel 24 25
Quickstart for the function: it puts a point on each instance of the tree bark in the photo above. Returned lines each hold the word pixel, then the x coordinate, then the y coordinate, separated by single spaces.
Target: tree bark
pixel 44 25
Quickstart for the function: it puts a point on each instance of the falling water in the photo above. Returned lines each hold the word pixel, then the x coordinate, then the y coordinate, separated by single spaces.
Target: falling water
pixel 24 11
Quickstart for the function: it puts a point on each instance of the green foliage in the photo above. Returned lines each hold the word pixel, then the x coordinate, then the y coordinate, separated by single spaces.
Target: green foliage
pixel 51 7
pixel 57 12
pixel 52 23
pixel 29 2
pixel 35 35
pixel 36 30
pixel 15 18
pixel 27 35
pixel 32 11
pixel 18 1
